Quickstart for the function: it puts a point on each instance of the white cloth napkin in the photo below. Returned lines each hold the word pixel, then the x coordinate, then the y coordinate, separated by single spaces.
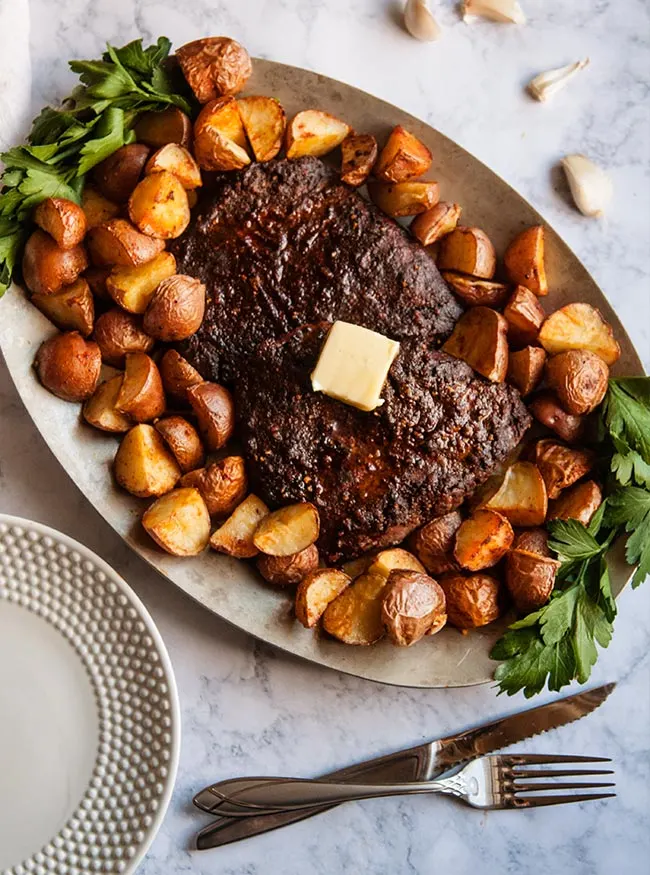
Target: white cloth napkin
pixel 15 72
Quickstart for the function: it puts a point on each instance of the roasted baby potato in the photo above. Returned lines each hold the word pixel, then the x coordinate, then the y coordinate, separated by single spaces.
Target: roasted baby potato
pixel 474 292
pixel 235 536
pixel 156 129
pixel 313 132
pixel 530 579
pixel 178 376
pixel 70 309
pixel 579 326
pixel 561 466
pixel 68 366
pixel 580 502
pixel 355 616
pixel 468 250
pixel 133 287
pixel 215 412
pixel 483 540
pixel 356 567
pixel 403 157
pixel 118 333
pixel 522 497
pixel 222 484
pixel 183 440
pixel 472 600
pixel 220 137
pixel 159 206
pixel 524 315
pixel 176 309
pixel 524 261
pixel 413 605
pixel 141 395
pixel 96 207
pixel 480 339
pixel 288 530
pixel 177 160
pixel 546 409
pixel 434 543
pixel 433 225
pixel 47 267
pixel 99 410
pixel 525 368
pixel 63 220
pixel 179 522
pixel 143 465
pixel 264 122
pixel 117 175
pixel 214 66
pixel 316 591
pixel 533 541
pixel 288 570
pixel 404 198
pixel 579 378
pixel 358 156
pixel 394 559
pixel 118 242
pixel 224 116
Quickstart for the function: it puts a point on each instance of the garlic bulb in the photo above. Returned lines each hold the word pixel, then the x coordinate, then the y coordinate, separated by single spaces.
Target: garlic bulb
pixel 508 11
pixel 419 21
pixel 547 84
pixel 591 188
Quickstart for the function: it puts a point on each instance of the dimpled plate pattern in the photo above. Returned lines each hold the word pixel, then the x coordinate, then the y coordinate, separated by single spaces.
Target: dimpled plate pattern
pixel 138 724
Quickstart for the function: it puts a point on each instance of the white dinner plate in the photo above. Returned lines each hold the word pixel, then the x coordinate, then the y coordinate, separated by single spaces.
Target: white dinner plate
pixel 89 715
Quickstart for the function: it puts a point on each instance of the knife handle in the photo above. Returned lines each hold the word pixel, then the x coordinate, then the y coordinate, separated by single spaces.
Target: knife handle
pixel 226 830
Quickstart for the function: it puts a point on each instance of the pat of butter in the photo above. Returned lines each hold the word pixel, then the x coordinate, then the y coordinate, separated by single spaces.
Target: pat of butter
pixel 353 365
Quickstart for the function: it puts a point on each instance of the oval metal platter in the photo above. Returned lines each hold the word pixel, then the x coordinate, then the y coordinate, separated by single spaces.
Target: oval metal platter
pixel 231 588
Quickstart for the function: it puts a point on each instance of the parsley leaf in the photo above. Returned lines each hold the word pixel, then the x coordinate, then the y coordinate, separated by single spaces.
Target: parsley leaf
pixel 626 414
pixel 629 508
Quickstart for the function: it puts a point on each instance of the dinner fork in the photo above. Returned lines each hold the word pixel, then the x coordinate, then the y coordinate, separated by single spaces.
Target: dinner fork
pixel 491 782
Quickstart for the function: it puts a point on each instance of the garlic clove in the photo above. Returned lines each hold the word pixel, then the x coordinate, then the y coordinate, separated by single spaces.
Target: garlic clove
pixel 508 11
pixel 591 187
pixel 545 85
pixel 419 21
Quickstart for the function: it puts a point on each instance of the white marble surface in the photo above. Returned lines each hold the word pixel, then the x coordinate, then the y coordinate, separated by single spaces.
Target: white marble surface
pixel 248 709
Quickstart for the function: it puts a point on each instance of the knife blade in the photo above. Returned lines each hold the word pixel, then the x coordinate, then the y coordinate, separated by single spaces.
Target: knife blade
pixel 421 763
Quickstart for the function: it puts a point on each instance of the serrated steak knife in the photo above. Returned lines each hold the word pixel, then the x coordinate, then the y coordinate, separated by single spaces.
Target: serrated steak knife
pixel 421 763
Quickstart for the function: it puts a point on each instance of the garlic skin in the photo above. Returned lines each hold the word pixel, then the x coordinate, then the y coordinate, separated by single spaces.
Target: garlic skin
pixel 507 11
pixel 419 21
pixel 591 187
pixel 546 85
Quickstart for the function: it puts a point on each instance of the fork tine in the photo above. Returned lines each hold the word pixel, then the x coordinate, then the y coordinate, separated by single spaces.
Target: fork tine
pixel 535 801
pixel 561 785
pixel 558 773
pixel 545 759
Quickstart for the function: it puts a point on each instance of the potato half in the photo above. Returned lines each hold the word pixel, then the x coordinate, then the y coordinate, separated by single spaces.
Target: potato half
pixel 561 466
pixel 47 268
pixel 68 365
pixel 413 605
pixel 100 411
pixel 63 220
pixel 178 376
pixel 288 530
pixel 546 409
pixel 118 333
pixel 133 287
pixel 314 132
pixel 526 368
pixel 480 339
pixel 579 502
pixel 530 579
pixel 118 242
pixel 96 207
pixel 403 157
pixel 358 156
pixel 156 129
pixel 264 121
pixel 141 395
pixel 143 465
pixel 524 260
pixel 395 559
pixel 522 497
pixel 469 251
pixel 404 198
pixel 355 616
pixel 214 409
pixel 179 522
pixel 483 540
pixel 524 315
pixel 71 309
pixel 475 292
pixel 177 160
pixel 472 600
pixel 176 309
pixel 235 536
pixel 222 484
pixel 117 175
pixel 183 440
pixel 434 543
pixel 315 592
pixel 288 570
pixel 159 206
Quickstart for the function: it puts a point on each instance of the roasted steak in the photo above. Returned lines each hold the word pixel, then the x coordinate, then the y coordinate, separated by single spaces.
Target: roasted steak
pixel 441 431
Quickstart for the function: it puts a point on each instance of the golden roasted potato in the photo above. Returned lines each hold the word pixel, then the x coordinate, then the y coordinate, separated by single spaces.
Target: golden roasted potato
pixel 546 409
pixel 472 600
pixel 483 540
pixel 117 175
pixel 143 465
pixel 404 198
pixel 118 242
pixel 63 220
pixel 579 326
pixel 355 615
pixel 524 260
pixel 356 567
pixel 68 366
pixel 525 368
pixel 314 132
pixel 96 207
pixel 288 530
pixel 99 410
pixel 179 522
pixel 177 160
pixel 403 157
pixel 561 466
pixel 316 591
pixel 71 308
pixel 159 207
pixel 394 559
pixel 468 250
pixel 178 376
pixel 413 605
pixel 533 541
pixel 47 267
pixel 524 315
pixel 579 378
pixel 118 333
pixel 215 412
pixel 479 339
pixel 264 122
pixel 530 579
pixel 222 484
pixel 580 502
pixel 437 222
pixel 96 278
pixel 224 116
pixel 434 543
pixel 214 66
pixel 176 309
pixel 474 292
pixel 220 137
pixel 235 536
pixel 288 570
pixel 133 287
pixel 358 156
pixel 156 129
pixel 141 395
pixel 522 497
pixel 183 440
